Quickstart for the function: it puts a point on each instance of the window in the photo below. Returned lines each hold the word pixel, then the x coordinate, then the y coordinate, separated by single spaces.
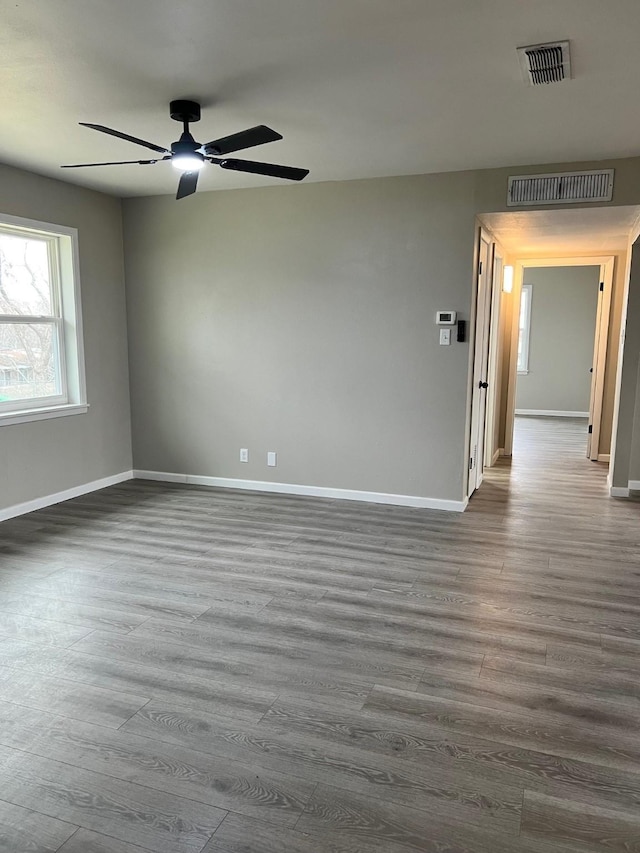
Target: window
pixel 41 365
pixel 524 329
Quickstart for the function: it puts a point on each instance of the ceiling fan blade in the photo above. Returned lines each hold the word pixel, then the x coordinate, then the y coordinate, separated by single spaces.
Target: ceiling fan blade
pixel 125 136
pixel 289 172
pixel 188 184
pixel 117 163
pixel 245 139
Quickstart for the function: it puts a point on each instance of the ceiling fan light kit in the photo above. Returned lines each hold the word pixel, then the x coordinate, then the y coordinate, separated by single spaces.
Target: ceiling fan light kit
pixel 189 156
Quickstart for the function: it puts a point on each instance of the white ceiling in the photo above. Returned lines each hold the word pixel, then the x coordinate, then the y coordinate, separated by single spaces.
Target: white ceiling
pixel 580 231
pixel 358 88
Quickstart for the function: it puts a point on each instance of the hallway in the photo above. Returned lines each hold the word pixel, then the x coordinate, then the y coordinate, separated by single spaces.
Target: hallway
pixel 185 669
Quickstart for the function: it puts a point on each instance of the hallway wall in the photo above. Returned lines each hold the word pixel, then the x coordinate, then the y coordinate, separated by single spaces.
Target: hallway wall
pixel 564 302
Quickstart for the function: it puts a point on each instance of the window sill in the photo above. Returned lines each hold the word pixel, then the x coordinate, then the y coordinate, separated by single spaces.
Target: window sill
pixel 26 415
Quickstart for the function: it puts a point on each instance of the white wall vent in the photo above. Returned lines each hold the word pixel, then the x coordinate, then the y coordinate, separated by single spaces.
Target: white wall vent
pixel 545 63
pixel 567 188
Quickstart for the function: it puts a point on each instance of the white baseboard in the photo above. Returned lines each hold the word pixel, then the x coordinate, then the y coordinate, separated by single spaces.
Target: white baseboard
pixel 634 485
pixel 604 457
pixel 496 456
pixel 162 476
pixel 552 413
pixel 619 492
pixel 59 497
pixel 308 491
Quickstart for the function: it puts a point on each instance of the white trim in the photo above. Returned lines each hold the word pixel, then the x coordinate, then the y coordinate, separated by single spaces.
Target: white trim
pixel 552 413
pixel 309 491
pixel 9 418
pixel 634 485
pixel 604 457
pixel 501 451
pixel 62 241
pixel 619 492
pixel 162 476
pixel 495 457
pixel 59 497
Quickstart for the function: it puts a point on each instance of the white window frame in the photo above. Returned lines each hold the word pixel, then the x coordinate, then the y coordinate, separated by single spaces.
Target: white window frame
pixel 66 318
pixel 525 331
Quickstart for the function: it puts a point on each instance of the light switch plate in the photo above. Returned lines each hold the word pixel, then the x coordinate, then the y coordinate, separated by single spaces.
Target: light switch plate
pixel 271 458
pixel 445 337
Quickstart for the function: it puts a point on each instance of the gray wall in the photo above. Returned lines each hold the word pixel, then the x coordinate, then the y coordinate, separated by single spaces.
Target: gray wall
pixel 563 319
pixel 301 320
pixel 45 457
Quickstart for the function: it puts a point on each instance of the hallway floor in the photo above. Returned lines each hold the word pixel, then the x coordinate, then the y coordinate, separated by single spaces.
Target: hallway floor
pixel 185 669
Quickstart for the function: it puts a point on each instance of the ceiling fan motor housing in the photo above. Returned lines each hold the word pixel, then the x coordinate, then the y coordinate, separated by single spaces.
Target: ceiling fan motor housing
pixel 185 145
pixel 184 111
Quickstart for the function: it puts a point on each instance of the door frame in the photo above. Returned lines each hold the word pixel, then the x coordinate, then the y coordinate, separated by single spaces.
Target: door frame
pixel 601 337
pixel 480 320
pixel 491 442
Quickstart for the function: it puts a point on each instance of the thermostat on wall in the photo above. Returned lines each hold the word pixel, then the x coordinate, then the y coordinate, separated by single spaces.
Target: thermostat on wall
pixel 446 318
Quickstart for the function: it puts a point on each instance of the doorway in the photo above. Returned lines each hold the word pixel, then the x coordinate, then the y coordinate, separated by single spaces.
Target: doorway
pixel 557 351
pixel 560 330
pixel 482 336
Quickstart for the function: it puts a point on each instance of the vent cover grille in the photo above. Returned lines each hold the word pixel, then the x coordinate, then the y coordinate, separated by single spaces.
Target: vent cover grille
pixel 545 63
pixel 567 188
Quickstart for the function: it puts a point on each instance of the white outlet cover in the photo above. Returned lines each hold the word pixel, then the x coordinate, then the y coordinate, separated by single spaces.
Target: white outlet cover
pixel 271 458
pixel 244 454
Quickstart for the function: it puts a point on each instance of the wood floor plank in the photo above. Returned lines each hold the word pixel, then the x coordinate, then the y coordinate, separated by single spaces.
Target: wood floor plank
pixel 445 743
pixel 86 841
pixel 381 825
pixel 477 799
pixel 27 831
pixel 202 663
pixel 241 701
pixel 68 698
pixel 238 834
pixel 522 696
pixel 579 827
pixel 71 613
pixel 129 812
pixel 40 630
pixel 262 643
pixel 344 677
pixel 600 684
pixel 595 744
pixel 175 769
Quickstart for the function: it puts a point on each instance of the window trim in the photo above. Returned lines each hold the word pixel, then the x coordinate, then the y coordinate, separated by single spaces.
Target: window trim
pixel 65 272
pixel 525 332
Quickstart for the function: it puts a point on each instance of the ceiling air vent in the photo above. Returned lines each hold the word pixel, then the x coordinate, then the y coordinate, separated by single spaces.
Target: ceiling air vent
pixel 545 63
pixel 566 188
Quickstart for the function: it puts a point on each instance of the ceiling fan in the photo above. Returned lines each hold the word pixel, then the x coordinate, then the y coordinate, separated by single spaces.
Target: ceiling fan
pixel 189 156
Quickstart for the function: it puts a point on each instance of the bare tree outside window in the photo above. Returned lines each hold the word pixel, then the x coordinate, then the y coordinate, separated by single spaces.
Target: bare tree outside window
pixel 41 349
pixel 29 330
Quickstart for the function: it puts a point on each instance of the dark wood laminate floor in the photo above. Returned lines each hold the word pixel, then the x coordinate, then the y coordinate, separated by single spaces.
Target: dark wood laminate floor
pixel 184 669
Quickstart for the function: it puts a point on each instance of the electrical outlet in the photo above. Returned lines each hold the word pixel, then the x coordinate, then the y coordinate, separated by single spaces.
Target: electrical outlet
pixel 271 458
pixel 244 454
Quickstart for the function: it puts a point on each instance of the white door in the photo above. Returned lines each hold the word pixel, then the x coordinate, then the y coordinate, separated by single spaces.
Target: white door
pixel 599 360
pixel 480 367
pixel 491 438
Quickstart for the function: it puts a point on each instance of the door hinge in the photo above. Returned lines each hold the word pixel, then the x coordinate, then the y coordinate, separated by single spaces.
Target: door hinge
pixel 480 268
pixel 590 429
pixel 601 286
pixel 471 463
